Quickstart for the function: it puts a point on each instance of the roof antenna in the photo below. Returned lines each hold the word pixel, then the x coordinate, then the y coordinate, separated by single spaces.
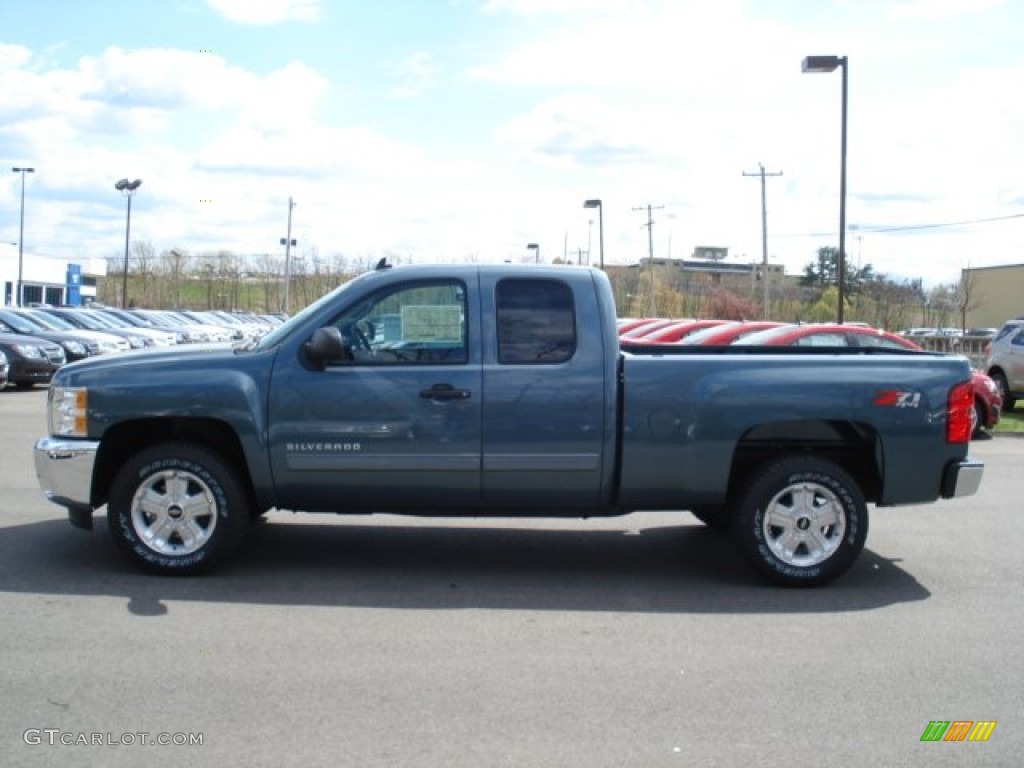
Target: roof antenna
pixel 383 263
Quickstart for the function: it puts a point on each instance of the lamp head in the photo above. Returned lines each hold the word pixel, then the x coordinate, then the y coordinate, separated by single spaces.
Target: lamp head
pixel 822 63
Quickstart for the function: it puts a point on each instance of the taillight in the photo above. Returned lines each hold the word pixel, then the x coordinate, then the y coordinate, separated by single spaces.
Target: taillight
pixel 958 413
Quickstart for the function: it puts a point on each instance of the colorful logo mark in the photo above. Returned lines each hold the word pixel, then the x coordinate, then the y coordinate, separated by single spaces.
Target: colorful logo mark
pixel 958 730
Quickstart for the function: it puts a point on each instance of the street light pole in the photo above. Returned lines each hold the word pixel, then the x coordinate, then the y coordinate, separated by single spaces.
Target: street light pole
pixel 127 188
pixel 21 227
pixel 535 247
pixel 600 224
pixel 829 64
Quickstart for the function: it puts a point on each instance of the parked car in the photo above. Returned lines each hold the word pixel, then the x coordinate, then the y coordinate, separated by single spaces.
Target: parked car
pixel 728 333
pixel 981 333
pixel 828 335
pixel 672 333
pixel 988 402
pixel 154 337
pixel 31 360
pixel 85 320
pixel 105 342
pixel 1004 362
pixel 645 327
pixel 133 318
pixel 76 347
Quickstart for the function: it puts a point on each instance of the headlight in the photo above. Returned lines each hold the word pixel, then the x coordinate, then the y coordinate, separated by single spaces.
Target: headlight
pixel 27 350
pixel 68 414
pixel 75 348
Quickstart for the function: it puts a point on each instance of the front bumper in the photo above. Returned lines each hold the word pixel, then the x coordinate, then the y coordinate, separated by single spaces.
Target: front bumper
pixel 64 468
pixel 962 478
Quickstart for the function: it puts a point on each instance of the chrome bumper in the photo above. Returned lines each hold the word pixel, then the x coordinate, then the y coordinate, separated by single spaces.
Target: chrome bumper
pixel 962 478
pixel 64 468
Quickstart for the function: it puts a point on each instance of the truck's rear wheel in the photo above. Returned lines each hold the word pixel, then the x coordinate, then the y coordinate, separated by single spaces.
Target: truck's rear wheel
pixel 801 521
pixel 177 508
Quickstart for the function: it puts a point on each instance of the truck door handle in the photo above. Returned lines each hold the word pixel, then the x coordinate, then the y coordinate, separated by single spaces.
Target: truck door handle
pixel 444 392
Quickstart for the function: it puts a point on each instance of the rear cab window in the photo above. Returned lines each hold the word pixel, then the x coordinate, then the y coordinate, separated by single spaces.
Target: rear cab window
pixel 536 322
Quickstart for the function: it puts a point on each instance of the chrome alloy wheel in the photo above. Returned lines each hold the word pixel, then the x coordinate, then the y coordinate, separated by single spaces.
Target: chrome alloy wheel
pixel 173 512
pixel 804 524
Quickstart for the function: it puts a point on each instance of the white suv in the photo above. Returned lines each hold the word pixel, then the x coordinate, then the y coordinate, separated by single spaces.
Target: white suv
pixel 1004 361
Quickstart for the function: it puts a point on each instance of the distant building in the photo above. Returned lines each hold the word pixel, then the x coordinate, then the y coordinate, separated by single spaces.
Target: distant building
pixel 994 294
pixel 716 271
pixel 48 279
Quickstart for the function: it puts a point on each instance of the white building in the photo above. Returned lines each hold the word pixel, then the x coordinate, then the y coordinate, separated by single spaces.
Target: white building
pixel 45 279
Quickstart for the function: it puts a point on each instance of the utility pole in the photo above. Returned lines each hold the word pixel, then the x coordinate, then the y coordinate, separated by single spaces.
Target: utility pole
pixel 764 231
pixel 650 251
pixel 288 242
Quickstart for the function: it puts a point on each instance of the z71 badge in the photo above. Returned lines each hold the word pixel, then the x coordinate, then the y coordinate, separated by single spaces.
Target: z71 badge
pixel 895 399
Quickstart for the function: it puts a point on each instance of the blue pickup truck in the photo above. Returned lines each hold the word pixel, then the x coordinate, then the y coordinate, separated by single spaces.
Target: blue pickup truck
pixel 468 390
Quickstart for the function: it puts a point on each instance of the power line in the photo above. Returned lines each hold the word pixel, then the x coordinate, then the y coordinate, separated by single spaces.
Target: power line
pixel 912 227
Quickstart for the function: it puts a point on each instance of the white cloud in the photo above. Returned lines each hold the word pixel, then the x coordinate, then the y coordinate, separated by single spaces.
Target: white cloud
pixel 419 74
pixel 267 12
pixel 932 10
pixel 542 7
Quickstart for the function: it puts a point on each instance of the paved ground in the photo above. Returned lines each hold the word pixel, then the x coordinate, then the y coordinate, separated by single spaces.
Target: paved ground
pixel 640 641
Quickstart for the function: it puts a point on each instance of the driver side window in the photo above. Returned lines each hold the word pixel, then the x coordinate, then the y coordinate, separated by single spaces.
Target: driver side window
pixel 420 323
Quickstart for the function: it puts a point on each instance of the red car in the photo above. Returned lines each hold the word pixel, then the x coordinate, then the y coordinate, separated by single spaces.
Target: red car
pixel 728 333
pixel 644 327
pixel 671 334
pixel 987 401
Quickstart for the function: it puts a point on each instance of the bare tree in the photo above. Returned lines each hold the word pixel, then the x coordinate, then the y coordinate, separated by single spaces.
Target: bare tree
pixel 144 256
pixel 174 263
pixel 968 296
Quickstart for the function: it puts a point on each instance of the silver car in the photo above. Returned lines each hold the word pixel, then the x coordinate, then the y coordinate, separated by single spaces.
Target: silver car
pixel 1004 361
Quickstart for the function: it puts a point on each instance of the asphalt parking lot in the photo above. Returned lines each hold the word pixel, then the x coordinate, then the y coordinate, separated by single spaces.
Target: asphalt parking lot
pixel 638 641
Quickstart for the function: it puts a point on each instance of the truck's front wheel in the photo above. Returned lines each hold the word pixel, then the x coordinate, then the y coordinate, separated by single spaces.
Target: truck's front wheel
pixel 801 521
pixel 177 508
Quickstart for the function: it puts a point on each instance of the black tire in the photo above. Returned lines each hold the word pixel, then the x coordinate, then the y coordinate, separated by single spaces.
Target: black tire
pixel 977 418
pixel 177 509
pixel 715 518
pixel 801 521
pixel 1004 389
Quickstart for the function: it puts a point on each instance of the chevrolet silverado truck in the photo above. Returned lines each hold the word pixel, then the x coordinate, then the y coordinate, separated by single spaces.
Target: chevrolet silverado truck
pixel 471 390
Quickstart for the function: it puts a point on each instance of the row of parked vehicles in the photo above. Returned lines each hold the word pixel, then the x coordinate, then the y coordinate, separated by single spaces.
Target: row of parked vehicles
pixel 36 341
pixel 989 391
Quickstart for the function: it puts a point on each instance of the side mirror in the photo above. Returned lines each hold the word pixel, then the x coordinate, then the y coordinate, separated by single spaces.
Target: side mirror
pixel 326 344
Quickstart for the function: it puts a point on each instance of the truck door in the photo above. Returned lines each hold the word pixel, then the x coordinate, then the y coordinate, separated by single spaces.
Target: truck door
pixel 397 423
pixel 544 413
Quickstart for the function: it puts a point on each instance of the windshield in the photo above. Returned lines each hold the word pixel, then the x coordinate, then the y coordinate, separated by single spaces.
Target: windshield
pixel 54 322
pixel 19 323
pixel 82 320
pixel 706 333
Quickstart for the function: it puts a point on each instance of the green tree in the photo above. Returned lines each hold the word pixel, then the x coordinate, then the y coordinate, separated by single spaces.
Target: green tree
pixel 825 271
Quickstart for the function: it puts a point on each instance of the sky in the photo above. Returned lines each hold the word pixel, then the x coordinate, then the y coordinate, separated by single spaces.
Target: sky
pixel 452 130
